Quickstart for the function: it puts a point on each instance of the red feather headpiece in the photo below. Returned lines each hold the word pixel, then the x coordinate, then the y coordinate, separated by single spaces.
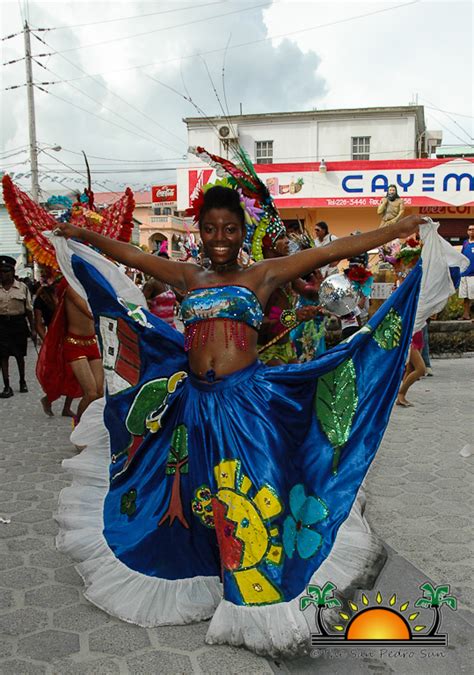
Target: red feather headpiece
pixel 31 220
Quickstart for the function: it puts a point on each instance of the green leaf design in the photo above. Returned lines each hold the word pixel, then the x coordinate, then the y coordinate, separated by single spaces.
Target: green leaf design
pixel 388 332
pixel 127 502
pixel 178 454
pixel 335 404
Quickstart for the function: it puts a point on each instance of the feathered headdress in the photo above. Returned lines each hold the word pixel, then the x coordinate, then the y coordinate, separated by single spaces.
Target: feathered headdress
pixel 31 220
pixel 263 221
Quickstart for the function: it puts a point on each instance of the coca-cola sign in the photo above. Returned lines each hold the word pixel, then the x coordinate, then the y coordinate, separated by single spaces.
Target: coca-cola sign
pixel 163 193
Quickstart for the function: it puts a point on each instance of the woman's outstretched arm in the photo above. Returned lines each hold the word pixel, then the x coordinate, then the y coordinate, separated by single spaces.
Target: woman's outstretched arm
pixel 170 272
pixel 282 270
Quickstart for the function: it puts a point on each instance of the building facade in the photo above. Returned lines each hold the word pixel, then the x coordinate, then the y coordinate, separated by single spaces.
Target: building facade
pixel 336 165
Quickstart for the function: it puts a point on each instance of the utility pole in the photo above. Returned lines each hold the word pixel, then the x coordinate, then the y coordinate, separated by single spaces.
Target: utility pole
pixel 35 189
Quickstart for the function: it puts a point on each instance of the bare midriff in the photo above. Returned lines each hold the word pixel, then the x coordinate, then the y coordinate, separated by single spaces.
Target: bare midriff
pixel 77 322
pixel 221 355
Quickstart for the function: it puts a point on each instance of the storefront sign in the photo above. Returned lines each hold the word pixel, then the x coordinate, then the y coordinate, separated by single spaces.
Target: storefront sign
pixel 164 193
pixel 446 183
pixel 446 210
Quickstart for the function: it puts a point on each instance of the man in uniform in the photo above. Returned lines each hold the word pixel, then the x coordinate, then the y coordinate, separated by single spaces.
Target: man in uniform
pixel 15 310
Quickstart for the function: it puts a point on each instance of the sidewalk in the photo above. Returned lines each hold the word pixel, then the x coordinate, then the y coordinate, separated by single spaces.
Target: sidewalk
pixel 420 500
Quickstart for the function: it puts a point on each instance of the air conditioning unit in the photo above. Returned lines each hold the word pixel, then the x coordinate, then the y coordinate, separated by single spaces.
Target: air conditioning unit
pixel 228 133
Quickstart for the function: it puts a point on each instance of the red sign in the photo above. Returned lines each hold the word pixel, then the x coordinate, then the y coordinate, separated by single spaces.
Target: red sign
pixel 196 180
pixel 164 193
pixel 443 210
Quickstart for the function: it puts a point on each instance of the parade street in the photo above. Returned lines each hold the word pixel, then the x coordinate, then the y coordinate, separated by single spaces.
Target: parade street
pixel 419 500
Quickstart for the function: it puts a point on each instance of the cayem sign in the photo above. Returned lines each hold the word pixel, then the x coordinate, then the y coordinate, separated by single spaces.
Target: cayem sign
pixel 164 193
pixel 421 182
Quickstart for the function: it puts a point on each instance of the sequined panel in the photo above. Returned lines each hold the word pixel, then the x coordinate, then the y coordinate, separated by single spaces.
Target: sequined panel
pixel 236 303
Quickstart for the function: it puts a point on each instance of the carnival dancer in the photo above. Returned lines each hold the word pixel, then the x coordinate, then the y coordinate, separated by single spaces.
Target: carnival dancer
pixel 70 338
pixel 160 297
pixel 212 467
pixel 54 375
pixel 308 337
pixel 281 314
pixel 246 457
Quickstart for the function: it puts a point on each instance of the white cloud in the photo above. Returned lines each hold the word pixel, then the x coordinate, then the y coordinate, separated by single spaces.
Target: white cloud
pixel 378 60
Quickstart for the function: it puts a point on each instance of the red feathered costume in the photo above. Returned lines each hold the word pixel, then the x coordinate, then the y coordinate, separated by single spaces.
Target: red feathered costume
pixel 52 370
pixel 32 221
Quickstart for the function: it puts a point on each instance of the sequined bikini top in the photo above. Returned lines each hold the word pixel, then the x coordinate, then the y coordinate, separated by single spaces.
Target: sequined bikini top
pixel 236 305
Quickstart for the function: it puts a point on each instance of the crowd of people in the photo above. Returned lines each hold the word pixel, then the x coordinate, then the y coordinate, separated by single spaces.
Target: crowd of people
pixel 27 308
pixel 234 452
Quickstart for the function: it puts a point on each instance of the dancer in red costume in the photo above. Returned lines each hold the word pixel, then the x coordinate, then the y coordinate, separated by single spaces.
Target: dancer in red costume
pixel 69 356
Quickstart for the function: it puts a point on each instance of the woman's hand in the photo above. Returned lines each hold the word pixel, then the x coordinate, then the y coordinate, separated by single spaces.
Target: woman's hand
pixel 407 226
pixel 67 230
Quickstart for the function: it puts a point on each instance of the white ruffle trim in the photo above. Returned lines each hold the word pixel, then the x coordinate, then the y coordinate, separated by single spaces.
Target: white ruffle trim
pixel 111 585
pixel 281 629
pixel 356 560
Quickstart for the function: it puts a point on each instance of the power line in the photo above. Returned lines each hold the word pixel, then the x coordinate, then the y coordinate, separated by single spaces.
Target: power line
pixel 131 161
pixel 448 112
pixel 452 120
pixel 50 93
pixel 56 159
pixel 128 18
pixel 249 43
pixel 463 141
pixel 101 84
pixel 101 105
pixel 159 30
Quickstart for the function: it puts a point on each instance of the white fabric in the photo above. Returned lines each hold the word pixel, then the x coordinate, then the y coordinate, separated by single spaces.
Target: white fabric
pixel 355 561
pixel 111 585
pixel 466 288
pixel 437 256
pixel 122 285
pixel 283 629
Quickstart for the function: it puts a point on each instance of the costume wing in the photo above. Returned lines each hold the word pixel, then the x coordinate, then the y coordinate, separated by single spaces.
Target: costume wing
pixel 249 182
pixel 117 219
pixel 31 221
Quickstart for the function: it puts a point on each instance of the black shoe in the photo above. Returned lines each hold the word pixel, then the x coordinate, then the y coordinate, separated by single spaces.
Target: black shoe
pixel 23 388
pixel 7 393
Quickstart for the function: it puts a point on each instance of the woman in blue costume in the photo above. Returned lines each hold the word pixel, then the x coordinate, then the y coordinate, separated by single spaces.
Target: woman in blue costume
pixel 220 487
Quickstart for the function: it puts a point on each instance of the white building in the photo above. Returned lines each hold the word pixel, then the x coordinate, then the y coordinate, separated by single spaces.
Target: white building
pixel 336 165
pixel 313 135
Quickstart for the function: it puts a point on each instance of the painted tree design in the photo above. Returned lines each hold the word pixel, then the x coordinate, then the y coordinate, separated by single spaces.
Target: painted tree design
pixel 176 465
pixel 433 598
pixel 322 598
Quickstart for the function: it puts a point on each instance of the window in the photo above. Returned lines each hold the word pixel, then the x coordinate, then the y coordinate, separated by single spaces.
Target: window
pixel 360 147
pixel 157 211
pixel 166 211
pixel 264 152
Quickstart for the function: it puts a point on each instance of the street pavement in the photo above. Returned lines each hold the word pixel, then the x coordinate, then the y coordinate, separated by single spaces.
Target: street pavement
pixel 420 500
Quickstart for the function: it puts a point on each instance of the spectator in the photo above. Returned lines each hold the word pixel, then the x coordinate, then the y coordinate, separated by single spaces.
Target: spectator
pixel 324 237
pixel 391 208
pixel 15 310
pixel 466 287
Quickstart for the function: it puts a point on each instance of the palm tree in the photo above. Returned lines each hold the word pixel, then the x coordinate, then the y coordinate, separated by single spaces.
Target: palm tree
pixel 322 597
pixel 433 598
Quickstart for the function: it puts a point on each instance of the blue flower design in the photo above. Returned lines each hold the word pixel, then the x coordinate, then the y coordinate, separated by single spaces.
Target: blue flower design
pixel 297 533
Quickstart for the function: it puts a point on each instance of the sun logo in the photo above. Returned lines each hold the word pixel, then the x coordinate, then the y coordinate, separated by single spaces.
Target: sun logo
pixel 247 541
pixel 379 624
